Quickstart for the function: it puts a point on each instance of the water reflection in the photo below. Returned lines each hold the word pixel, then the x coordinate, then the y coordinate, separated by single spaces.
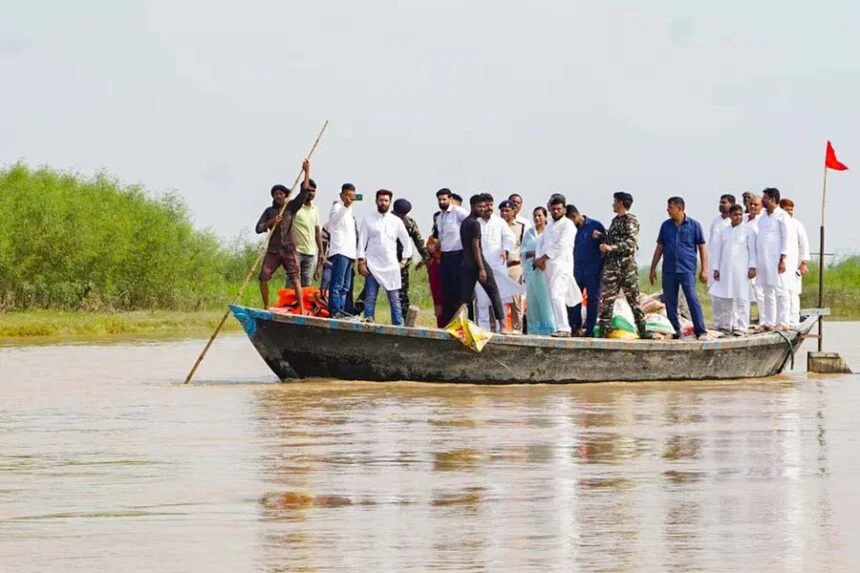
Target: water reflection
pixel 391 477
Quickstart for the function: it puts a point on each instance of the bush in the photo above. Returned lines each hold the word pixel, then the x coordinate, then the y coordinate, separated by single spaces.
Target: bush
pixel 71 242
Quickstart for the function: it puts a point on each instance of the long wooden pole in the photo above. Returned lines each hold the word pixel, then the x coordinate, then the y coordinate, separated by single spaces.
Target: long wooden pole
pixel 821 262
pixel 250 271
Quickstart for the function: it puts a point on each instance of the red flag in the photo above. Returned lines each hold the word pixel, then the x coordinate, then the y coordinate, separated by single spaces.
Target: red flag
pixel 830 160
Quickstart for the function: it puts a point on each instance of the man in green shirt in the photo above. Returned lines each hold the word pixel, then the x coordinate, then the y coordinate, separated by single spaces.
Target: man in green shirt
pixel 309 238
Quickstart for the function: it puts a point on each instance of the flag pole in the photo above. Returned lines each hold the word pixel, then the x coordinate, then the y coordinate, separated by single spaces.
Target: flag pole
pixel 821 261
pixel 260 254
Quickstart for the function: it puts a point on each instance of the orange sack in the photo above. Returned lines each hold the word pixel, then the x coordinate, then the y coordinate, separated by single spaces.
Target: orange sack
pixel 313 302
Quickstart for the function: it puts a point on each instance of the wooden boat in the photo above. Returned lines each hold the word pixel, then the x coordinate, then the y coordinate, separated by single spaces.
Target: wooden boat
pixel 301 347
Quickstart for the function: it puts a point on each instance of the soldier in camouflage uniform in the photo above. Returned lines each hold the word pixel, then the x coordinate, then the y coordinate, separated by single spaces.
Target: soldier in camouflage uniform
pixel 620 272
pixel 401 209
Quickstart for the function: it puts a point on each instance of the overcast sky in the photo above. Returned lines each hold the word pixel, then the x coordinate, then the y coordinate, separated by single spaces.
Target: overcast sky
pixel 219 100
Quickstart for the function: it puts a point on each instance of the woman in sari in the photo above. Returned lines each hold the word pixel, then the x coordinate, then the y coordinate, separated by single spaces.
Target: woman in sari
pixel 539 317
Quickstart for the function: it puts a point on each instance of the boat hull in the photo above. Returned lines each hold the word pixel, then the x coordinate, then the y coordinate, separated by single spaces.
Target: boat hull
pixel 302 347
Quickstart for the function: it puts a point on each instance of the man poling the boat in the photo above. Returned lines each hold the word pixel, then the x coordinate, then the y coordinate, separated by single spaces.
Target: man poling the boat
pixel 282 250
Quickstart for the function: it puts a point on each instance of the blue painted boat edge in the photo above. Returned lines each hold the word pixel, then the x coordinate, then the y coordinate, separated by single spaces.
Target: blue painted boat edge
pixel 247 317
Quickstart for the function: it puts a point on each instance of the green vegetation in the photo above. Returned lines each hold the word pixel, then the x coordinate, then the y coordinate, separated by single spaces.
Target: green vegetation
pixel 73 243
pixel 90 257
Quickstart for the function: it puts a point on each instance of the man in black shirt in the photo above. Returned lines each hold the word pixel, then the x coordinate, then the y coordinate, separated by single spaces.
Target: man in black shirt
pixel 474 267
pixel 281 251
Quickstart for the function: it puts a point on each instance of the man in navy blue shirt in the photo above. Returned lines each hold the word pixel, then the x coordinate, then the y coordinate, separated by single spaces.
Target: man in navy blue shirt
pixel 679 239
pixel 587 268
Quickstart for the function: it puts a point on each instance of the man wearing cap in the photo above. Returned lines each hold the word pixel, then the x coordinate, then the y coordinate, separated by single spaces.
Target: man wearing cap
pixel 517 201
pixel 514 264
pixel 281 251
pixel 620 272
pixel 401 208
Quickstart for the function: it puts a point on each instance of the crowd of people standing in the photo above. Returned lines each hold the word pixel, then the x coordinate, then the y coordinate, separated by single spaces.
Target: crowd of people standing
pixel 542 268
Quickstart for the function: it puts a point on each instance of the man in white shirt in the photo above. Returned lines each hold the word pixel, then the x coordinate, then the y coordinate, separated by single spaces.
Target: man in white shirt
pixel 772 250
pixel 517 202
pixel 717 225
pixel 447 230
pixel 733 263
pixel 377 256
pixel 554 257
pixel 497 241
pixel 798 246
pixel 341 249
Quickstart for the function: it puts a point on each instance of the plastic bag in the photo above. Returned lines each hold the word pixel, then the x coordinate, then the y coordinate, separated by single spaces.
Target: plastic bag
pixel 650 304
pixel 470 334
pixel 622 316
pixel 658 323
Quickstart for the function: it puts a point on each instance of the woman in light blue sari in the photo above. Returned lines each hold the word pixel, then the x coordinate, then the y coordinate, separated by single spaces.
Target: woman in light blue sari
pixel 539 318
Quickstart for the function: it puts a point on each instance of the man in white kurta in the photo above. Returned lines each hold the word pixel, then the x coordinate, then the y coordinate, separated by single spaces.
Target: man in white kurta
pixel 797 260
pixel 554 257
pixel 733 262
pixel 717 225
pixel 751 218
pixel 772 250
pixel 377 256
pixel 497 241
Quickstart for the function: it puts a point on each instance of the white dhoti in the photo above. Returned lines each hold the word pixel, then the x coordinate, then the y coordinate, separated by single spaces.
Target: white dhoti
pixel 734 314
pixel 507 290
pixel 563 291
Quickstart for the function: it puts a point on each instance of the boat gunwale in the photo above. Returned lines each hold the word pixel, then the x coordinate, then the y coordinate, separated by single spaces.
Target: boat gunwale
pixel 533 340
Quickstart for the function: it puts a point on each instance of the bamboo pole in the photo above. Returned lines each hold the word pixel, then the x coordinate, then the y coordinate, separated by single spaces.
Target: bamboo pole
pixel 821 261
pixel 253 268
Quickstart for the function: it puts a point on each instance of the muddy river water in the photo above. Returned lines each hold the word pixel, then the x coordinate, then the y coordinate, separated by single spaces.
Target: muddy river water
pixel 107 463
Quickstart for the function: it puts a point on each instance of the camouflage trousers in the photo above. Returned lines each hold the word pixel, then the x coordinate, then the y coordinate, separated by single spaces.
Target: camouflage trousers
pixel 404 290
pixel 617 278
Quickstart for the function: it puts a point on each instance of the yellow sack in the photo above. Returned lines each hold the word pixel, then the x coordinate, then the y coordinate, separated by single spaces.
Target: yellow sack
pixel 470 334
pixel 619 334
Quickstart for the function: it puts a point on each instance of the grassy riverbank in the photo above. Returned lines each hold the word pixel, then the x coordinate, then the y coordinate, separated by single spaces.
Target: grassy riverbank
pixel 77 325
